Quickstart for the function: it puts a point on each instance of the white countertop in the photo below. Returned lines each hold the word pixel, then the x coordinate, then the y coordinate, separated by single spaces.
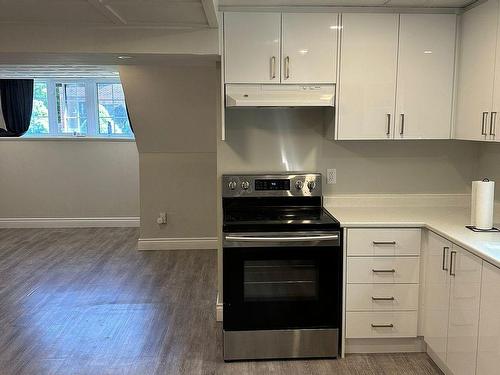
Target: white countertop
pixel 448 222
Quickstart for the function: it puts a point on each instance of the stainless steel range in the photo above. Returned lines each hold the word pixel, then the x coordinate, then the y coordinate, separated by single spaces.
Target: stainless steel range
pixel 282 268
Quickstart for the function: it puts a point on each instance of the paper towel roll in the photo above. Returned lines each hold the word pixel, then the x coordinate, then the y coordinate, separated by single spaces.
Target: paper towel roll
pixel 484 203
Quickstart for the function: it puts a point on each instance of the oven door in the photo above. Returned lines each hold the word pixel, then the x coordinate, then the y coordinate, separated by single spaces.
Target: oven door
pixel 282 280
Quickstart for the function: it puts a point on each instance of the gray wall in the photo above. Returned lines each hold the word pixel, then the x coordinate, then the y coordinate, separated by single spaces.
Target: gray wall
pixel 174 112
pixel 58 179
pixel 262 140
pixel 489 165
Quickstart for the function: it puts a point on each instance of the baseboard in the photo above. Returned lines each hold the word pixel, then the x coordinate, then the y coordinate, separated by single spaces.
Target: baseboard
pixel 190 243
pixel 385 345
pixel 439 363
pixel 68 222
pixel 219 310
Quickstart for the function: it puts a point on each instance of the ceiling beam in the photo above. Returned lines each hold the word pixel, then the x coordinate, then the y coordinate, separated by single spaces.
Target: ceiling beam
pixel 108 12
pixel 210 9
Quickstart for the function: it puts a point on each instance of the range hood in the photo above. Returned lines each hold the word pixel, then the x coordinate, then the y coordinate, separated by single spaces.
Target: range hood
pixel 250 95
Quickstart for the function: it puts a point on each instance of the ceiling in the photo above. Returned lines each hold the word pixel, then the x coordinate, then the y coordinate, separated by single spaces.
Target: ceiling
pixel 350 3
pixel 113 13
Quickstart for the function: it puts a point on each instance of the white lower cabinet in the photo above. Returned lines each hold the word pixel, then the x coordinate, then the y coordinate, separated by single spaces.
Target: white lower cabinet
pixel 451 304
pixel 488 350
pixel 382 290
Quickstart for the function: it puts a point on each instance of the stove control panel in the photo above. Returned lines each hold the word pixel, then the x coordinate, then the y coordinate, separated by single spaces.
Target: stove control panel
pixel 289 184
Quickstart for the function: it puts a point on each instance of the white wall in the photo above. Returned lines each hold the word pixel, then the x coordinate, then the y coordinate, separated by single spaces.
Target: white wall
pixel 489 165
pixel 68 179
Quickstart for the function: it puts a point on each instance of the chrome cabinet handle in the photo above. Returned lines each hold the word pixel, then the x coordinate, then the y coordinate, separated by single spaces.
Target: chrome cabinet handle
pixel 445 255
pixel 384 242
pixel 384 271
pixel 282 238
pixel 382 298
pixel 287 67
pixel 402 130
pixel 273 67
pixel 453 262
pixel 483 123
pixel 493 120
pixel 388 132
pixel 390 325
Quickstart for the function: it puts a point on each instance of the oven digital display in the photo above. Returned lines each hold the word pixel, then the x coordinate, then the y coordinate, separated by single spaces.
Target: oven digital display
pixel 272 184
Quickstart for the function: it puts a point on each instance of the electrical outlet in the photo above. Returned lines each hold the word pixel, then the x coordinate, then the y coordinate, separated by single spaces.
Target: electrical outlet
pixel 331 176
pixel 162 219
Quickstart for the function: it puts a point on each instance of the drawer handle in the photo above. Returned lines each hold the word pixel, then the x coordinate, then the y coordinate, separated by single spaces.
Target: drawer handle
pixel 384 271
pixel 383 298
pixel 384 242
pixel 383 325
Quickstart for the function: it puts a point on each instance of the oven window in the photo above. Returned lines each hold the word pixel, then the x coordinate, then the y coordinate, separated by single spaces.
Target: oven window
pixel 280 280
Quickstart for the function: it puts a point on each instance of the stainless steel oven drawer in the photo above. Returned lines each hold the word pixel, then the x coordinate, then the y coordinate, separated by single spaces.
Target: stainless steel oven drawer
pixel 290 343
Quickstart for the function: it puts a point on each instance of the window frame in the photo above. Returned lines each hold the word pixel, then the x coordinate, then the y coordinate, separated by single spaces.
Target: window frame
pixel 92 109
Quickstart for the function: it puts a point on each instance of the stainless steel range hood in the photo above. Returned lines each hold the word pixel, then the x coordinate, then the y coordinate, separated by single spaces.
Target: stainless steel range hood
pixel 264 95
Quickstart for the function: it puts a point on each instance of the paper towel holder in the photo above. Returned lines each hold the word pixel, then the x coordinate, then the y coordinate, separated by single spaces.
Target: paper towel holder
pixel 474 229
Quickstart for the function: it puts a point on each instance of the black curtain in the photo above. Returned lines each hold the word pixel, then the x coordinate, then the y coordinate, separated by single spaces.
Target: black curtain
pixel 17 104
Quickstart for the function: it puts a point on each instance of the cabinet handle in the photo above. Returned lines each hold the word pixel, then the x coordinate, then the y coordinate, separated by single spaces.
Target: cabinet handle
pixel 390 325
pixel 402 130
pixel 384 271
pixel 384 242
pixel 383 298
pixel 483 123
pixel 445 255
pixel 493 120
pixel 388 132
pixel 453 262
pixel 273 67
pixel 287 67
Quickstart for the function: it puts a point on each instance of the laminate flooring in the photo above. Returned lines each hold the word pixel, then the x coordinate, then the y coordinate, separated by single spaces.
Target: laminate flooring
pixel 85 301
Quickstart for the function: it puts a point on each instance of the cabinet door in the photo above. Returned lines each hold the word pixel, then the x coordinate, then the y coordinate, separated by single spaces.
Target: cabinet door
pixel 367 76
pixel 252 47
pixel 465 289
pixel 309 46
pixel 436 294
pixel 425 76
pixel 489 322
pixel 476 71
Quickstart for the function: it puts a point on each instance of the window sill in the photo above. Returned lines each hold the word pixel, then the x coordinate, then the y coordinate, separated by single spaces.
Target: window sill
pixel 65 139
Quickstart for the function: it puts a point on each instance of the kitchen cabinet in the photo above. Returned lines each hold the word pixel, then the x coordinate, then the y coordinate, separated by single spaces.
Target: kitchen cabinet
pixel 476 73
pixel 451 304
pixel 425 76
pixel 309 48
pixel 293 48
pixel 367 76
pixel 415 50
pixel 252 47
pixel 488 353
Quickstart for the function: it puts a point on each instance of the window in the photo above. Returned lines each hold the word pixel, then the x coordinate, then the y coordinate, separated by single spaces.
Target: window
pixel 79 107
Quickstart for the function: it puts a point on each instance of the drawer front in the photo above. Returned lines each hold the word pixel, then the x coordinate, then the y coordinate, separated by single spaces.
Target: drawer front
pixel 382 241
pixel 382 297
pixel 383 270
pixel 381 324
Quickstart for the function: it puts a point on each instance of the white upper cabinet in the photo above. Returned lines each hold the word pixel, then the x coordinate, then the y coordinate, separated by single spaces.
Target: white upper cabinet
pixel 476 71
pixel 309 47
pixel 425 76
pixel 436 294
pixel 489 323
pixel 294 48
pixel 252 47
pixel 465 291
pixel 367 76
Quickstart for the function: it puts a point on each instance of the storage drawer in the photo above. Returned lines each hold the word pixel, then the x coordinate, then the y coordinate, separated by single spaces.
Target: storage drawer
pixel 383 241
pixel 383 270
pixel 380 297
pixel 381 324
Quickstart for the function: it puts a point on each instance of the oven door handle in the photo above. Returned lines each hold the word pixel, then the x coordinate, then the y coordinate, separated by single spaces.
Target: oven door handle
pixel 324 237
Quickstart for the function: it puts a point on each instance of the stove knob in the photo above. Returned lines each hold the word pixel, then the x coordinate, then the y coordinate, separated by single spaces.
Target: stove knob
pixel 231 185
pixel 299 185
pixel 311 185
pixel 245 185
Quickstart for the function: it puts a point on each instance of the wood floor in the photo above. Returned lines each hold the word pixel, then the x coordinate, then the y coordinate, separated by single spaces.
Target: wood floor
pixel 85 301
